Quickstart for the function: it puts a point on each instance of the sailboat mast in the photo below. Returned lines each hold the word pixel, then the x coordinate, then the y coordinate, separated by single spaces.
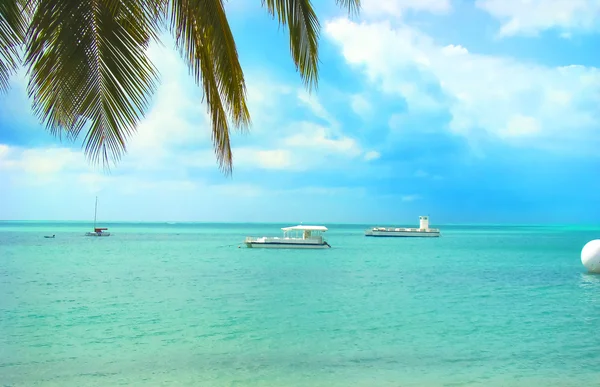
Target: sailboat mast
pixel 95 212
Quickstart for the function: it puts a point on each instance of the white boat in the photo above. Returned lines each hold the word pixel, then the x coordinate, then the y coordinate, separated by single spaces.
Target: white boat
pixel 98 231
pixel 295 237
pixel 422 231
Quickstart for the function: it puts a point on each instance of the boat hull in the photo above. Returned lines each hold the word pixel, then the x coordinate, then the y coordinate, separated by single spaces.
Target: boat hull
pixel 94 234
pixel 403 234
pixel 283 245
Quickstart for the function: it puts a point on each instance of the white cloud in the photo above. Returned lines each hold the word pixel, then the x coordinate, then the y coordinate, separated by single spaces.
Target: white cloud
pixel 251 190
pixel 175 135
pixel 177 117
pixel 308 146
pixel 66 172
pixel 397 8
pixel 410 198
pixel 4 149
pixel 63 167
pixel 176 132
pixel 519 125
pixel 315 137
pixel 251 157
pixel 372 155
pixel 312 101
pixel 93 182
pixel 38 167
pixel 324 191
pixel 529 17
pixel 134 185
pixel 172 139
pixel 481 92
pixel 239 190
pixel 40 162
pixel 451 49
pixel 172 145
pixel 264 97
pixel 361 106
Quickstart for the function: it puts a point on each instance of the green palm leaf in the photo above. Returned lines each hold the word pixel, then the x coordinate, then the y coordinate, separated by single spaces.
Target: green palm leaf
pixel 89 69
pixel 204 38
pixel 12 30
pixel 304 30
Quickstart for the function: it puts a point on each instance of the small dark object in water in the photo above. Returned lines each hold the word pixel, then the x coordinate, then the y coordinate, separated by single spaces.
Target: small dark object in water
pixel 47 236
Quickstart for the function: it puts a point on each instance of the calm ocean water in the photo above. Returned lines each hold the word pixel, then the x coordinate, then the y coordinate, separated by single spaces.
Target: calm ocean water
pixel 182 305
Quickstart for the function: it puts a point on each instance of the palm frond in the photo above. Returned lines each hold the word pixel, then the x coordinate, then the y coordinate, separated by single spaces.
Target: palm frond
pixel 88 69
pixel 206 43
pixel 353 6
pixel 303 24
pixel 12 33
pixel 304 29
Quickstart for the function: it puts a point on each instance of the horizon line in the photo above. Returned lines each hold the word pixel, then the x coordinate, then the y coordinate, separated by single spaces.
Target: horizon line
pixel 283 222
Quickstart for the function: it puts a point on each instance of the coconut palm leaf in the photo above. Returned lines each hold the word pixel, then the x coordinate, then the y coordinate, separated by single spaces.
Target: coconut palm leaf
pixel 12 30
pixel 304 29
pixel 206 43
pixel 89 70
pixel 353 6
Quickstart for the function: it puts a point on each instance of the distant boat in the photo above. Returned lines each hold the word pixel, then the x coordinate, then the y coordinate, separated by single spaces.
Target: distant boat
pixel 98 231
pixel 303 237
pixel 49 236
pixel 422 231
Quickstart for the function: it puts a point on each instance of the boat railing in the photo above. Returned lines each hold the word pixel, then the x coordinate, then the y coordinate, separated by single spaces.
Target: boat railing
pixel 315 238
pixel 404 229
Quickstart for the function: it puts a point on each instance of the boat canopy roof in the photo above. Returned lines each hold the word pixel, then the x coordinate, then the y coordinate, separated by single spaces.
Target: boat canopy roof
pixel 302 227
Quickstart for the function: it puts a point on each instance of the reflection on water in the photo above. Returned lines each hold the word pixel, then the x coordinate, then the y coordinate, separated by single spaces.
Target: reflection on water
pixel 590 285
pixel 590 280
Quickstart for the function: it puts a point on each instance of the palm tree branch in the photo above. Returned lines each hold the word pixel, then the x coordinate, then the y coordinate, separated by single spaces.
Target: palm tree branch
pixel 303 24
pixel 304 29
pixel 353 6
pixel 89 69
pixel 12 33
pixel 206 43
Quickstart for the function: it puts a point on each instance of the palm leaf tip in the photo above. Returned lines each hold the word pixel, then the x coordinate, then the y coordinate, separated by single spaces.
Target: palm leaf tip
pixel 204 39
pixel 304 29
pixel 353 6
pixel 303 25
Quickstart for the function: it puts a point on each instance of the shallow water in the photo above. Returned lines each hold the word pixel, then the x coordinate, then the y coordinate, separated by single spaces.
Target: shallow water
pixel 182 305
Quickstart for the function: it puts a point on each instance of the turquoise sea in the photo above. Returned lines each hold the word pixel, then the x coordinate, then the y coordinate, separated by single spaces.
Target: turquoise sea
pixel 182 305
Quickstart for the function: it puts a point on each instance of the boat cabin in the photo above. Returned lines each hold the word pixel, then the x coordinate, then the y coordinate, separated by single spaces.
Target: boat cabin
pixel 304 232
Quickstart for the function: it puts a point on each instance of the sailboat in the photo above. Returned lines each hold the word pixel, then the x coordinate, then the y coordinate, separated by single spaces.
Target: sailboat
pixel 98 231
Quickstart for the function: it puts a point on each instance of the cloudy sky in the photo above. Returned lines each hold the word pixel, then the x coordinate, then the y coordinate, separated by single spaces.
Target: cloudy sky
pixel 479 111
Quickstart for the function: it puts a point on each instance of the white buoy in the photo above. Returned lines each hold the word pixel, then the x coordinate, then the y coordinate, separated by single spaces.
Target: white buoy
pixel 590 256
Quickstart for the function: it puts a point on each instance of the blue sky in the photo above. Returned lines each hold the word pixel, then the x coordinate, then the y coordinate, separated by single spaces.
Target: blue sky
pixel 482 111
